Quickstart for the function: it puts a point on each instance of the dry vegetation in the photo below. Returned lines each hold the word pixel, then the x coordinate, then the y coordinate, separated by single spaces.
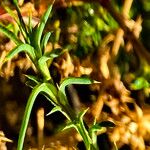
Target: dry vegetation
pixel 113 100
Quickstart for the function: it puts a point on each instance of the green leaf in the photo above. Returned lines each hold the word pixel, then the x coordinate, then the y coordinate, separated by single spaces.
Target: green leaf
pixel 58 108
pixel 11 13
pixel 33 78
pixel 63 99
pixel 40 29
pixel 45 40
pixel 30 24
pixel 98 127
pixel 10 35
pixel 74 80
pixel 68 81
pixel 55 53
pixel 93 133
pixel 69 126
pixel 45 88
pixel 15 2
pixel 82 113
pixel 42 63
pixel 55 109
pixel 20 48
pixel 80 126
pixel 95 128
pixel 140 83
pixel 22 25
pixel 53 92
pixel 30 84
pixel 33 81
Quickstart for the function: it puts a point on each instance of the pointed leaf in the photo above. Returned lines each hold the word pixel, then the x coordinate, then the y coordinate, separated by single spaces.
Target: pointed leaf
pixel 55 109
pixel 51 92
pixel 69 126
pixel 71 80
pixel 74 80
pixel 35 92
pixel 81 128
pixel 55 53
pixel 30 84
pixel 11 13
pixel 33 78
pixel 58 108
pixel 42 63
pixel 30 23
pixel 95 128
pixel 33 81
pixel 40 29
pixel 10 35
pixel 23 47
pixel 45 40
pixel 82 113
pixel 22 24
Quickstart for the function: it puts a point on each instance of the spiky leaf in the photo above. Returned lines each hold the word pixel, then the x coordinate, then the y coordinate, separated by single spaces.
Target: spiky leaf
pixel 10 35
pixel 33 81
pixel 55 109
pixel 74 80
pixel 22 48
pixel 45 40
pixel 45 88
pixel 69 126
pixel 58 108
pixel 40 28
pixel 33 78
pixel 55 53
pixel 43 67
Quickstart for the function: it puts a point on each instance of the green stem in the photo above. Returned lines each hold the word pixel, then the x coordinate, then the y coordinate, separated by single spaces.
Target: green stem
pixel 83 133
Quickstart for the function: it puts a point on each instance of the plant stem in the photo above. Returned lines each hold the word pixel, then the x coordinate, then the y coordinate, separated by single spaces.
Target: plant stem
pixel 86 139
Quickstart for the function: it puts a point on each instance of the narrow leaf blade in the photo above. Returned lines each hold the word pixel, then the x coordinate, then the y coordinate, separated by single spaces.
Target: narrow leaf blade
pixel 23 47
pixel 69 126
pixel 42 63
pixel 35 92
pixel 10 35
pixel 45 40
pixel 33 78
pixel 55 109
pixel 27 113
pixel 40 29
pixel 74 80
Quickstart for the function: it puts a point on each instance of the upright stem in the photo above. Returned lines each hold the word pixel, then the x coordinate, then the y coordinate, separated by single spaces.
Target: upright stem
pixel 86 139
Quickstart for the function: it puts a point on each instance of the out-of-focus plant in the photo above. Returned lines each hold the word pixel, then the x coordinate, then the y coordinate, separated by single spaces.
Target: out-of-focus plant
pixel 82 27
pixel 33 45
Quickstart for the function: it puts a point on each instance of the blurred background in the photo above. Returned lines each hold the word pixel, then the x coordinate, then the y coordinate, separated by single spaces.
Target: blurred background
pixel 109 44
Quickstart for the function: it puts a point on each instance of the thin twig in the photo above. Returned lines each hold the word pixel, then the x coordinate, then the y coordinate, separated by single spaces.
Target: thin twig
pixel 137 45
pixel 119 36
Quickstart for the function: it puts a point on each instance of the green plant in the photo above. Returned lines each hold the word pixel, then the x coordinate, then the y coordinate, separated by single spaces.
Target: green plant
pixel 33 45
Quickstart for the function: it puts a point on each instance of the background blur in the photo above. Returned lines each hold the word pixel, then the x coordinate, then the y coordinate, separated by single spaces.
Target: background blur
pixel 97 47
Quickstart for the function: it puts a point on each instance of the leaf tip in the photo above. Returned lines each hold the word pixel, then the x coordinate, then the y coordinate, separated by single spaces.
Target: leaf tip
pixel 96 82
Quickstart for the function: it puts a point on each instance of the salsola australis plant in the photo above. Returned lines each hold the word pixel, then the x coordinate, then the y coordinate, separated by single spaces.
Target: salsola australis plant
pixel 33 44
